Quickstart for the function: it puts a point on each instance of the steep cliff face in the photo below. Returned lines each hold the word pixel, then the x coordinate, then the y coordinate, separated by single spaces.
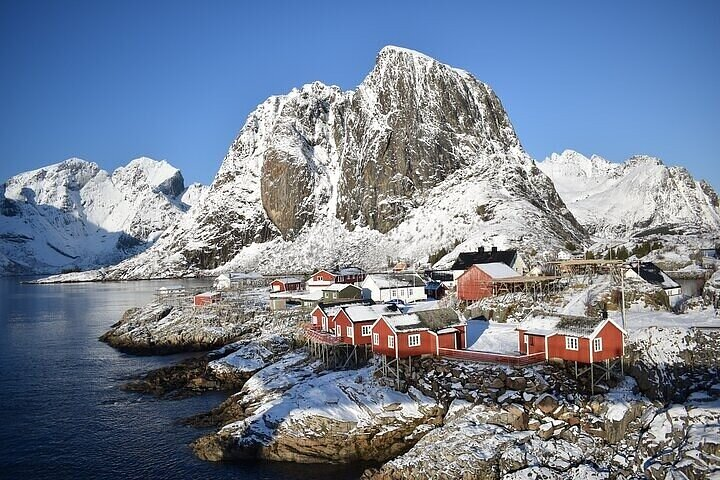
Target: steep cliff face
pixel 401 166
pixel 637 197
pixel 74 215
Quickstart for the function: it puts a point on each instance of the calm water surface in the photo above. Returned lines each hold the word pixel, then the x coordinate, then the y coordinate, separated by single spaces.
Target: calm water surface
pixel 62 414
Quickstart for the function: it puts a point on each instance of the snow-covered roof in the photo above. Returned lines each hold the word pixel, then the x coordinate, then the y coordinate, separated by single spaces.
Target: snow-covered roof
pixel 497 270
pixel 395 280
pixel 207 294
pixel 365 313
pixel 338 287
pixel 467 259
pixel 438 319
pixel 287 280
pixel 548 325
pixel 653 274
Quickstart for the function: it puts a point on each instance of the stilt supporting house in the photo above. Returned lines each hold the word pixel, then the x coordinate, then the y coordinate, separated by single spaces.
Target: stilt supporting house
pixel 598 372
pixel 333 353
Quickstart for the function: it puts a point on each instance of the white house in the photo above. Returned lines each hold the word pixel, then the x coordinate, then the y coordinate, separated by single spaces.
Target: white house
pixel 652 274
pixel 408 287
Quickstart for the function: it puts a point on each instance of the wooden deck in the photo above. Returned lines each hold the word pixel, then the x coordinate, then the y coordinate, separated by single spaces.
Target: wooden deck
pixel 497 358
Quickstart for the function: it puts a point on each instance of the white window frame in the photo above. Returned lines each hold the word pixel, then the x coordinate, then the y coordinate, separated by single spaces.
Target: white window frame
pixel 348 331
pixel 338 331
pixel 365 330
pixel 597 344
pixel 572 343
pixel 414 340
pixel 376 338
pixel 391 341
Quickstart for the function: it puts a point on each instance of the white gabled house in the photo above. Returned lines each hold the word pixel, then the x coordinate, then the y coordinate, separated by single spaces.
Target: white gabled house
pixel 408 287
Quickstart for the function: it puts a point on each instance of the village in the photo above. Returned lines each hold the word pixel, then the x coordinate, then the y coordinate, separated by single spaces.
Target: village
pixel 575 310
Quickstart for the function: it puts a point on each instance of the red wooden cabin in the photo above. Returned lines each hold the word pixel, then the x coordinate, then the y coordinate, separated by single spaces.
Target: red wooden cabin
pixel 323 318
pixel 420 333
pixel 206 298
pixel 339 275
pixel 476 282
pixel 353 323
pixel 287 284
pixel 577 339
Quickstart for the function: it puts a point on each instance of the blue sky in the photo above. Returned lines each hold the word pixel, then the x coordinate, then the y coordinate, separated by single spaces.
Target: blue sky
pixel 175 80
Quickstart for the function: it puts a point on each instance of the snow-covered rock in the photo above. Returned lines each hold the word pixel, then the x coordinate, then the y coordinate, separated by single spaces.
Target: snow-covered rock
pixel 419 158
pixel 294 412
pixel 74 215
pixel 637 197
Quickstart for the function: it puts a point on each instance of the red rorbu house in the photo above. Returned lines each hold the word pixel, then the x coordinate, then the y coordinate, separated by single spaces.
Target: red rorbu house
pixel 206 298
pixel 287 284
pixel 477 281
pixel 323 317
pixel 353 323
pixel 576 339
pixel 419 333
pixel 324 278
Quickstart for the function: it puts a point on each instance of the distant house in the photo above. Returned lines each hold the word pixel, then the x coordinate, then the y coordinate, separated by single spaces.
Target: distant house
pixel 287 284
pixel 579 339
pixel 511 258
pixel 325 278
pixel 564 255
pixel 353 323
pixel 435 290
pixel 400 267
pixel 419 333
pixel 206 298
pixel 652 274
pixel 476 282
pixel 710 253
pixel 408 287
pixel 341 291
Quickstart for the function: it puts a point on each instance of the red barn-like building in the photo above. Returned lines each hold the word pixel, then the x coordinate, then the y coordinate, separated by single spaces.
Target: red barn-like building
pixel 420 333
pixel 476 282
pixel 323 278
pixel 206 298
pixel 577 339
pixel 287 284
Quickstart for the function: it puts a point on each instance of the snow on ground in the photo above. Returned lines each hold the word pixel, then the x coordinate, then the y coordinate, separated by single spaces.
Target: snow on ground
pixel 497 337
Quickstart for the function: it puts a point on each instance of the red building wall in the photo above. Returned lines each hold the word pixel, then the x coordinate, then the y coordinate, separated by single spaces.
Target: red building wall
pixel 317 316
pixel 342 320
pixel 359 339
pixel 612 343
pixel 556 349
pixel 472 285
pixel 536 343
pixel 428 344
pixel 448 340
pixel 383 330
pixel 324 276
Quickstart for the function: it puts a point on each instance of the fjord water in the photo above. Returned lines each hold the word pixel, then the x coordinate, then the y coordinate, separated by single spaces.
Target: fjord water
pixel 62 413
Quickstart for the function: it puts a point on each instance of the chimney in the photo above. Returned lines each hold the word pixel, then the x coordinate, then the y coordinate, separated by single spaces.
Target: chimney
pixel 481 249
pixel 494 249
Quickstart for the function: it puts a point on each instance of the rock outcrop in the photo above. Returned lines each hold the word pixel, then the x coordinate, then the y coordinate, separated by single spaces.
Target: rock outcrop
pixel 293 411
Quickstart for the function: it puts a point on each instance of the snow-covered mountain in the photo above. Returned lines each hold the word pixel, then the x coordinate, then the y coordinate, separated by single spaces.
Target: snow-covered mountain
pixel 419 158
pixel 74 215
pixel 637 197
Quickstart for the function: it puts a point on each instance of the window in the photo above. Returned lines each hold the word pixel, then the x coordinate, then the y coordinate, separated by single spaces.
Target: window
pixel 376 339
pixel 365 330
pixel 391 341
pixel 531 340
pixel 597 345
pixel 393 293
pixel 571 343
pixel 414 340
pixel 338 331
pixel 348 331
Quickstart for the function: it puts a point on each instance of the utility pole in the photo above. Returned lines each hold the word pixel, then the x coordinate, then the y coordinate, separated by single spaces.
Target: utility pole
pixel 622 295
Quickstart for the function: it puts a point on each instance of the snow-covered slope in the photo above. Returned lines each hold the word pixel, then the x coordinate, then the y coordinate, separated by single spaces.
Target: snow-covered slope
pixel 74 215
pixel 420 157
pixel 639 196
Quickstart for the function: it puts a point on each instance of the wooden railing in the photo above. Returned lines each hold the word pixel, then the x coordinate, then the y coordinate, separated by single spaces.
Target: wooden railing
pixel 322 337
pixel 513 360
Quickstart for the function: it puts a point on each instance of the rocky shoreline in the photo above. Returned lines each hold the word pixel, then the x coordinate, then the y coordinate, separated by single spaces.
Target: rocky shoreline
pixel 449 419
